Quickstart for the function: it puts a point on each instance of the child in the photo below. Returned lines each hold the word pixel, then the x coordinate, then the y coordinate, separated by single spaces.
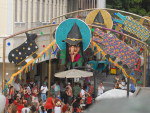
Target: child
pixel 58 105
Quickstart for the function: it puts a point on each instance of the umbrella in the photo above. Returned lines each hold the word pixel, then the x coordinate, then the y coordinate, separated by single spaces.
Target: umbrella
pixel 73 73
pixel 113 93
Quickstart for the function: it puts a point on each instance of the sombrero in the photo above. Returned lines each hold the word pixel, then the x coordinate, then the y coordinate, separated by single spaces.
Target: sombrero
pixel 73 31
pixel 99 17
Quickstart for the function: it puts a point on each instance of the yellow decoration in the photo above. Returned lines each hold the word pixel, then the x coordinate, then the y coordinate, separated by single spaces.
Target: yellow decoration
pixel 16 58
pixel 113 71
pixel 30 44
pixel 23 47
pixel 106 17
pixel 17 50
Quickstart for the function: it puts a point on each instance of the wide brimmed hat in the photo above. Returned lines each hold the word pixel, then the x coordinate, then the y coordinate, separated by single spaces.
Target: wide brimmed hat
pixel 73 31
pixel 74 36
pixel 99 17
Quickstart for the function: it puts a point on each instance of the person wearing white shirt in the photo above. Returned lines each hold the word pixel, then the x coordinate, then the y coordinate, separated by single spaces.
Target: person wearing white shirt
pixel 17 86
pixel 44 89
pixel 100 89
pixel 26 109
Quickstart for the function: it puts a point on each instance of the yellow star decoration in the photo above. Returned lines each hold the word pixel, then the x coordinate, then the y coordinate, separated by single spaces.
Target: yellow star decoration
pixel 16 58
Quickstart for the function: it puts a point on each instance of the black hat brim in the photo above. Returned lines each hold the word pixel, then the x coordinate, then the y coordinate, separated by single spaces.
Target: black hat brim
pixel 72 42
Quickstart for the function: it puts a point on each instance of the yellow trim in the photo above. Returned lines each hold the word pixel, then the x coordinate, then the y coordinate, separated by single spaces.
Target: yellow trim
pixel 27 57
pixel 72 39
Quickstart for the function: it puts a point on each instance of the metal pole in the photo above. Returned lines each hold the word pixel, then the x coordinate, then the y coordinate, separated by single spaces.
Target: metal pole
pixel 145 64
pixel 128 89
pixel 49 76
pixel 4 65
pixel 94 74
pixel 49 64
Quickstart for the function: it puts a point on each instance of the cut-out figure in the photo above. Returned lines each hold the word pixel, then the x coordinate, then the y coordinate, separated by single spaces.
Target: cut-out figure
pixel 22 52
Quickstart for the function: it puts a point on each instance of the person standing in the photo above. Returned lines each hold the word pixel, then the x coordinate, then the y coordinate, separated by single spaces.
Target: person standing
pixel 76 90
pixel 69 93
pixel 17 86
pixel 44 89
pixel 100 89
pixel 49 105
pixel 56 88
pixel 90 89
pixel 132 87
pixel 26 109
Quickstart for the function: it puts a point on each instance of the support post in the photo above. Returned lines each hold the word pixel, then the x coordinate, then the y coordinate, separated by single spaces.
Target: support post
pixel 145 65
pixel 128 89
pixel 4 65
pixel 49 76
pixel 94 75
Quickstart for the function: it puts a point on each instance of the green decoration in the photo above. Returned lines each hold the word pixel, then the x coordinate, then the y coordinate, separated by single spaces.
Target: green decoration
pixel 92 29
pixel 139 82
pixel 41 33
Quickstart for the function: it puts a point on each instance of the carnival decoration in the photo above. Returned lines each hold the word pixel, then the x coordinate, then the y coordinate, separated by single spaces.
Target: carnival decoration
pixel 99 17
pixel 98 65
pixel 72 37
pixel 117 48
pixel 22 52
pixel 26 68
pixel 133 27
pixel 8 43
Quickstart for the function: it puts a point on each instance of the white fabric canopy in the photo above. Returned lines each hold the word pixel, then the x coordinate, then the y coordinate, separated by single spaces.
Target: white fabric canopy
pixel 73 73
pixel 113 93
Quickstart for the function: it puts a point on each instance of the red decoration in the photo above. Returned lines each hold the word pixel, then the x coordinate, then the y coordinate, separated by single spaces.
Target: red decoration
pixel 78 16
pixel 43 45
pixel 138 65
pixel 141 49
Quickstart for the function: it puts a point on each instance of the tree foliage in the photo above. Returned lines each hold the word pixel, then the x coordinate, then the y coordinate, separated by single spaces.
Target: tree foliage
pixel 140 7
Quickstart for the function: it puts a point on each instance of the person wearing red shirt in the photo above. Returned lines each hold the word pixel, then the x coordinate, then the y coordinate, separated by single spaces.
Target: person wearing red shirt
pixel 88 101
pixel 19 107
pixel 49 105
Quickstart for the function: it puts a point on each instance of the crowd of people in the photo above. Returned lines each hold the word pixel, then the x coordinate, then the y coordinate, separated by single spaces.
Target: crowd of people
pixel 122 84
pixel 60 98
pixel 32 98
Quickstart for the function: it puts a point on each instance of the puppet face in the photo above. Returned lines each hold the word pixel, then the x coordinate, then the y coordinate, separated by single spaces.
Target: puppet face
pixel 73 52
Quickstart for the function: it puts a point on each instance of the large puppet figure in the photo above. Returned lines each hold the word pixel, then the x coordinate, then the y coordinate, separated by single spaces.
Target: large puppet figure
pixel 73 38
pixel 74 41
